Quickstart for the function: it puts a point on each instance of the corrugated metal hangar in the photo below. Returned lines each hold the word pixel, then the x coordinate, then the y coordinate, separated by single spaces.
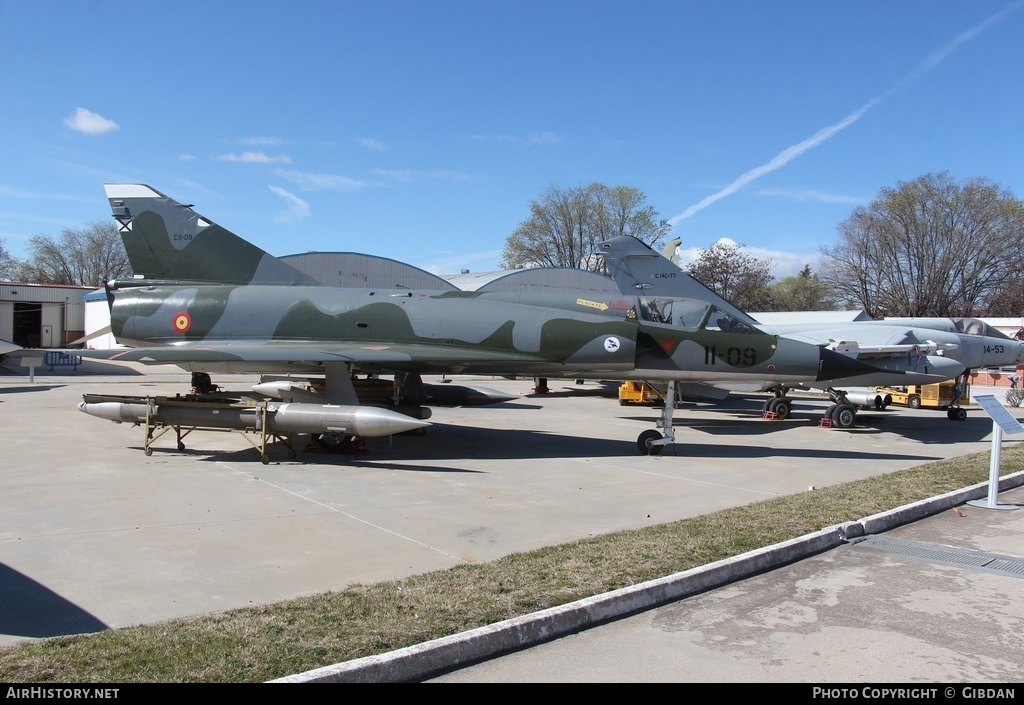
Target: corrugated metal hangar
pixel 42 315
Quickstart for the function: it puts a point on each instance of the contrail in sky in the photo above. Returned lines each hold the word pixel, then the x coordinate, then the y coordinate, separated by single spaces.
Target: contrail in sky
pixel 790 153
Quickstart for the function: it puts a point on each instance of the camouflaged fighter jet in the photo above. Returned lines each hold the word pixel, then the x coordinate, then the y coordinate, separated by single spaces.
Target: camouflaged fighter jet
pixel 208 301
pixel 906 351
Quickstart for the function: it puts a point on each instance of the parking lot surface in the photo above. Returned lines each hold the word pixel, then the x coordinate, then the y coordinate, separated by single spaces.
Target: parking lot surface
pixel 96 535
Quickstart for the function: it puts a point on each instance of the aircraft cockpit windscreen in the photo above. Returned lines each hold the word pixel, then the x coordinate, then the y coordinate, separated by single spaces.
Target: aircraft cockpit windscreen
pixel 691 314
pixel 974 326
pixel 684 313
pixel 720 320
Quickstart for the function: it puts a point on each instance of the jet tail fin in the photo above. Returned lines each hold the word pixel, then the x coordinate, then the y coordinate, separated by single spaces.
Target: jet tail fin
pixel 639 270
pixel 167 240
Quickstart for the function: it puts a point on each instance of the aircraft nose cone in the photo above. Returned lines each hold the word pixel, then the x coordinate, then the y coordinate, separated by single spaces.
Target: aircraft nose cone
pixel 833 365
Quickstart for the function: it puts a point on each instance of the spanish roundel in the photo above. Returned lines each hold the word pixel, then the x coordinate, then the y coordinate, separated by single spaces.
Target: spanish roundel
pixel 182 322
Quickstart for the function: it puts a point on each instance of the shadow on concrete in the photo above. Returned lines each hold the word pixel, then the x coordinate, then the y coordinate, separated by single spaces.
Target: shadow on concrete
pixel 29 609
pixel 85 368
pixel 30 388
pixel 921 427
pixel 460 443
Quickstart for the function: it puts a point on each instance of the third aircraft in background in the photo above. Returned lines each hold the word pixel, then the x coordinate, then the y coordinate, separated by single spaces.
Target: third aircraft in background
pixel 904 351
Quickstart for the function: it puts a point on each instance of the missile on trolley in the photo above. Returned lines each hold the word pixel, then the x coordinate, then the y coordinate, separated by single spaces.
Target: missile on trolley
pixel 365 421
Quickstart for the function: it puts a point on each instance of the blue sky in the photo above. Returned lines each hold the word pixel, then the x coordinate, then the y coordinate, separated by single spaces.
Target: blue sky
pixel 421 130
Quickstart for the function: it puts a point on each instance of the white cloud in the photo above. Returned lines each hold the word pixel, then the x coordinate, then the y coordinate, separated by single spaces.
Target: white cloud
pixel 255 158
pixel 187 157
pixel 90 123
pixel 262 141
pixel 367 143
pixel 790 153
pixel 936 57
pixel 297 208
pixel 23 194
pixel 532 139
pixel 407 175
pixel 783 264
pixel 535 138
pixel 778 161
pixel 323 182
pixel 812 195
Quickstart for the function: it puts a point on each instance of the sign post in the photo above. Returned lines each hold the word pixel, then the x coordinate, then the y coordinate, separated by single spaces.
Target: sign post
pixel 1002 422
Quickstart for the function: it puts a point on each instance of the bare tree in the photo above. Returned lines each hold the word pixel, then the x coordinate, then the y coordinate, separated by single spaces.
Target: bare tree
pixel 741 279
pixel 1008 299
pixel 929 247
pixel 6 263
pixel 89 256
pixel 566 226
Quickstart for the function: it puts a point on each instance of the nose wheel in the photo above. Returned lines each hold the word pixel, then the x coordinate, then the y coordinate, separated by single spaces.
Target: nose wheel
pixel 652 442
pixel 646 442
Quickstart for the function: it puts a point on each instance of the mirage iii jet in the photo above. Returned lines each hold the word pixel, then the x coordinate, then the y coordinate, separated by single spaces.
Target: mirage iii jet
pixel 904 351
pixel 208 301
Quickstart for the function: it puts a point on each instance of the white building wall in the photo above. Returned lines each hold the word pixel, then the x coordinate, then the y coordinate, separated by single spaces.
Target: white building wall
pixel 52 315
pixel 97 317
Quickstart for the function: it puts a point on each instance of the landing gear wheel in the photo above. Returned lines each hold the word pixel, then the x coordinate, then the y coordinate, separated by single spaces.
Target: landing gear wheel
pixel 298 442
pixel 148 451
pixel 330 442
pixel 914 402
pixel 201 383
pixel 829 410
pixel 956 414
pixel 644 442
pixel 181 446
pixel 768 404
pixel 844 416
pixel 781 407
pixel 265 460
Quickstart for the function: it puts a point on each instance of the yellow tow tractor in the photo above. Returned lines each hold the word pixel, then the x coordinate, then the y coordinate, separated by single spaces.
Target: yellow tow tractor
pixel 943 395
pixel 632 392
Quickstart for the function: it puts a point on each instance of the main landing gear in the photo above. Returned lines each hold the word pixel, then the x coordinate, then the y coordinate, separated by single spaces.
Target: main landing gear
pixel 955 412
pixel 840 414
pixel 781 406
pixel 202 384
pixel 651 442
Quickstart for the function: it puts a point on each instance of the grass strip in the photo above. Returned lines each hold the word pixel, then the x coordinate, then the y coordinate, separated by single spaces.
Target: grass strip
pixel 261 643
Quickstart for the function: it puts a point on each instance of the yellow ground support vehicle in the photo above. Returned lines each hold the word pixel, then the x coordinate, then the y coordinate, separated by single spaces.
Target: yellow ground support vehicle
pixel 631 392
pixel 944 395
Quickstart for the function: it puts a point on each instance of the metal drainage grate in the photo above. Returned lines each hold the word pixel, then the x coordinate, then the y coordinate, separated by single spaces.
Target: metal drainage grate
pixel 949 555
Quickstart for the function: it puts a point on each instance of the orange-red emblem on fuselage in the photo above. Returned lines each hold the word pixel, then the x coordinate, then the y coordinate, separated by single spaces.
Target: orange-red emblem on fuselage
pixel 182 322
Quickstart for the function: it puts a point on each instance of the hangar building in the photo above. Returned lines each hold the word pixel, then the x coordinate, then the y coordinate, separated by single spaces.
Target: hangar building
pixel 42 315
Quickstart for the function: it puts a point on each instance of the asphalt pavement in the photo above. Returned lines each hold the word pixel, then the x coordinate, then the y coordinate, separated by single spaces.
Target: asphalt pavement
pixel 96 535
